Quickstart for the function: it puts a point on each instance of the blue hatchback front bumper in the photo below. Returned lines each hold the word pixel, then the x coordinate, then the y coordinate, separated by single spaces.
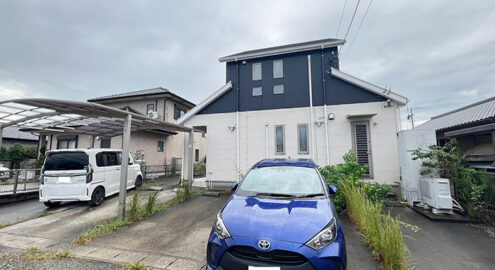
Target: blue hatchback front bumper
pixel 238 253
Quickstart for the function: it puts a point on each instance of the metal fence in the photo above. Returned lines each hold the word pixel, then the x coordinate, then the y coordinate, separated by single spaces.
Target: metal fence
pixel 151 171
pixel 19 181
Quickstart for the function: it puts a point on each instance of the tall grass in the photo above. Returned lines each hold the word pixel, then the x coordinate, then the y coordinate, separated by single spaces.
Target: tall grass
pixel 382 232
pixel 150 207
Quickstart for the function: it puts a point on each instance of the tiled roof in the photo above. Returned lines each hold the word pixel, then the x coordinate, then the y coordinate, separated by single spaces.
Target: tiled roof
pixel 472 113
pixel 145 92
pixel 16 133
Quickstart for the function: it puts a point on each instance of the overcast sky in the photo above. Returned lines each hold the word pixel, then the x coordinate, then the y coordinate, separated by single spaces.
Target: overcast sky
pixel 440 54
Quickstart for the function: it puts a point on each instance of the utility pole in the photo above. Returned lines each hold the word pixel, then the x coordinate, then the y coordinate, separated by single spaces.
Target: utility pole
pixel 410 116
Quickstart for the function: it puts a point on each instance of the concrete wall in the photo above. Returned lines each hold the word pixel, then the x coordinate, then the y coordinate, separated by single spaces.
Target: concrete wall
pixel 222 162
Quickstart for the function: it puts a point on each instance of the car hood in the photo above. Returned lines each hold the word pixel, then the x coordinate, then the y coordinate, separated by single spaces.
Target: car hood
pixel 285 220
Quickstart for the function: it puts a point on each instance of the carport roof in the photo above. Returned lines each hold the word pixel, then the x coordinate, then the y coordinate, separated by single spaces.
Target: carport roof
pixel 64 116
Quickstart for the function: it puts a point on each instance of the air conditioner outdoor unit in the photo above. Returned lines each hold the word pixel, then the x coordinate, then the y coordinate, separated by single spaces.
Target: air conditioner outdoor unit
pixel 153 115
pixel 436 193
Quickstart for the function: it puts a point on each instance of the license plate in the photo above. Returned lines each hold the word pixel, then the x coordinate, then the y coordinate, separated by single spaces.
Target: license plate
pixel 262 268
pixel 64 179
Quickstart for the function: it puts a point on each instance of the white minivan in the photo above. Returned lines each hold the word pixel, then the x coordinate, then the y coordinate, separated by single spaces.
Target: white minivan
pixel 84 175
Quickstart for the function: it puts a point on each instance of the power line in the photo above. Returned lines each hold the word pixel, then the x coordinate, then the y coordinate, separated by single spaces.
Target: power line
pixel 352 19
pixel 340 22
pixel 359 28
pixel 481 74
pixel 43 80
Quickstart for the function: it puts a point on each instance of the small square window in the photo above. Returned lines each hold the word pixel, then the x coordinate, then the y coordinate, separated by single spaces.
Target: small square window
pixel 278 69
pixel 278 89
pixel 256 71
pixel 257 91
pixel 160 146
pixel 150 108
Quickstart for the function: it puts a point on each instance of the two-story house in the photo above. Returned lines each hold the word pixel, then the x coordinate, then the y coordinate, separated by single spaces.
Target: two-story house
pixel 293 101
pixel 156 147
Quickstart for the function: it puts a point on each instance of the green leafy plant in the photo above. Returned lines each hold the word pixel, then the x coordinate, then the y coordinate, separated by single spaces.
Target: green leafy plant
pixel 151 204
pixel 439 160
pixel 136 266
pixel 16 153
pixel 3 153
pixel 31 152
pixel 135 204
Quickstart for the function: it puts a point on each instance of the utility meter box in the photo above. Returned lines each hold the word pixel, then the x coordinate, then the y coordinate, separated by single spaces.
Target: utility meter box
pixel 436 193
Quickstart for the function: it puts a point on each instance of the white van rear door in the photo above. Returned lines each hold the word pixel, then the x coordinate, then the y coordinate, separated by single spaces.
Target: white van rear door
pixel 65 174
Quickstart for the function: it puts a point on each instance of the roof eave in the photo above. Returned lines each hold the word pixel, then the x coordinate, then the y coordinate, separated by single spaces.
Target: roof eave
pixel 401 100
pixel 272 52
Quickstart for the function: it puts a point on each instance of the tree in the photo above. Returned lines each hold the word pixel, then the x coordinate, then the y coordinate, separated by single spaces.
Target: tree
pixel 441 160
pixel 16 153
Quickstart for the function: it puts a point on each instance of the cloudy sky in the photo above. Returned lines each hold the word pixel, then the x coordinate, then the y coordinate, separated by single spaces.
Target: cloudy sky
pixel 440 54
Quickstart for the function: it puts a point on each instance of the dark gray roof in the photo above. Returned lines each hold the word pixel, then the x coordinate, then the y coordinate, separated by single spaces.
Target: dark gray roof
pixel 145 92
pixel 290 48
pixel 140 93
pixel 16 133
pixel 475 112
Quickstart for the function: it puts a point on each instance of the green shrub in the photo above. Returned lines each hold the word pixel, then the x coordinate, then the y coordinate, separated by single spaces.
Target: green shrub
pixel 31 152
pixel 16 153
pixel 151 204
pixel 134 213
pixel 3 153
pixel 200 169
pixel 351 171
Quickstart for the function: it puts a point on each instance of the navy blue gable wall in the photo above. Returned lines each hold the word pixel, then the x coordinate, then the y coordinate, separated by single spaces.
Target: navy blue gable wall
pixel 295 81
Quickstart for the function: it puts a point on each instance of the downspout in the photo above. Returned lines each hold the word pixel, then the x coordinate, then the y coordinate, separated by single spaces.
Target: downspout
pixel 237 126
pixel 266 139
pixel 327 154
pixel 311 130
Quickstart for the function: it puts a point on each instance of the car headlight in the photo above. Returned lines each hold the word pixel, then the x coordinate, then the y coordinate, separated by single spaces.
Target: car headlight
pixel 325 237
pixel 220 228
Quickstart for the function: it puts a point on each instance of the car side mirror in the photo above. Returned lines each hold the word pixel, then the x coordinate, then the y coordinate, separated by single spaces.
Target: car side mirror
pixel 234 186
pixel 333 190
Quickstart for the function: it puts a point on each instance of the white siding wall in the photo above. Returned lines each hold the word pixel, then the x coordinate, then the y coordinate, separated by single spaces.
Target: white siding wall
pixel 221 142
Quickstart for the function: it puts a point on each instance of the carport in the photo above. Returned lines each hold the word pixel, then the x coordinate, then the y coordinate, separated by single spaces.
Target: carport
pixel 65 116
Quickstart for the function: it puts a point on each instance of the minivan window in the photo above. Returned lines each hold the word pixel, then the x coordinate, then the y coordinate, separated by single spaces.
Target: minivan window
pixel 113 159
pixel 66 161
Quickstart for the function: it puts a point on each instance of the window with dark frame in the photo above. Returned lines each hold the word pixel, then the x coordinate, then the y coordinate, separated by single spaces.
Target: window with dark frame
pixel 278 69
pixel 150 108
pixel 361 144
pixel 279 140
pixel 178 112
pixel 160 146
pixel 196 155
pixel 256 72
pixel 302 135
pixel 105 142
pixel 67 142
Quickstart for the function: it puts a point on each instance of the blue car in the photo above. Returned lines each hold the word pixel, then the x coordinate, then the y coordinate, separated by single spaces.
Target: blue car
pixel 280 216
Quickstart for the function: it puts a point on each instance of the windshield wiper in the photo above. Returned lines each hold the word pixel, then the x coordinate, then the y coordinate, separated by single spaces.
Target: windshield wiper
pixel 274 194
pixel 310 195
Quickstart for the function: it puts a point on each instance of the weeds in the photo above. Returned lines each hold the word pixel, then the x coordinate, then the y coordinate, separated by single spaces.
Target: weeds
pixel 382 232
pixel 44 214
pixel 136 266
pixel 33 253
pixel 3 225
pixel 136 213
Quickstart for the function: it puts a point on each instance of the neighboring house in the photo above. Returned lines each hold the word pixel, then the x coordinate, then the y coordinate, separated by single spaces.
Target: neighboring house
pixel 474 128
pixel 13 135
pixel 156 147
pixel 265 111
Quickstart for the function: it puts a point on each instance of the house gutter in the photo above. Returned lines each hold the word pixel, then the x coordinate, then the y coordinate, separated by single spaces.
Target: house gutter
pixel 325 119
pixel 311 130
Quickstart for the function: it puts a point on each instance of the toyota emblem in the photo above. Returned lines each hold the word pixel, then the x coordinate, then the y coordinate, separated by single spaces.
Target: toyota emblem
pixel 264 244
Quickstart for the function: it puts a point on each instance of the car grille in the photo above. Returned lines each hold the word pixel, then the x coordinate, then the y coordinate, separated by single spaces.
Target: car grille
pixel 275 256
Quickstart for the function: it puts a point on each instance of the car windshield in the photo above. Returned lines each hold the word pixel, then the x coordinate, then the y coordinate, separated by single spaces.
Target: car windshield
pixel 66 161
pixel 280 181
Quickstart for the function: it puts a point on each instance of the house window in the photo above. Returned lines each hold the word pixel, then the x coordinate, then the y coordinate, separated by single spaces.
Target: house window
pixel 150 108
pixel 302 135
pixel 178 112
pixel 160 146
pixel 196 155
pixel 67 142
pixel 278 89
pixel 361 145
pixel 279 140
pixel 278 69
pixel 256 71
pixel 105 142
pixel 257 91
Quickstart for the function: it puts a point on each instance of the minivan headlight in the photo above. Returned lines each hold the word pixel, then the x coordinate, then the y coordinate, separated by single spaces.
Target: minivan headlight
pixel 325 237
pixel 220 228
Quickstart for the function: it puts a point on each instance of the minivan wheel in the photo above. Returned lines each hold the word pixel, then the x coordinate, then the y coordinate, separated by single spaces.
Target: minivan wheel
pixel 97 196
pixel 51 204
pixel 139 182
